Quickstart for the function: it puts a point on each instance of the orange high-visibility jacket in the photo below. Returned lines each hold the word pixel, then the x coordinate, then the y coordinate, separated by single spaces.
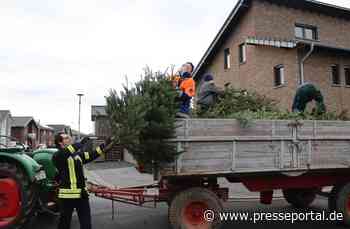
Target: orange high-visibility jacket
pixel 188 86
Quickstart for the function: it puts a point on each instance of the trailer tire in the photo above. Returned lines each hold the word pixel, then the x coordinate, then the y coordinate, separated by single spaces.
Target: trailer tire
pixel 299 198
pixel 343 203
pixel 188 208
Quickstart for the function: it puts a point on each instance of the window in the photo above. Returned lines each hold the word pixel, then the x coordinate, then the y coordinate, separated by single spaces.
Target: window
pixel 335 74
pixel 227 56
pixel 347 76
pixel 279 75
pixel 306 32
pixel 242 53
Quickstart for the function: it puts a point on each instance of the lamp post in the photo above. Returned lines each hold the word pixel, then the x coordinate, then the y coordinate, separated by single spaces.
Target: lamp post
pixel 79 95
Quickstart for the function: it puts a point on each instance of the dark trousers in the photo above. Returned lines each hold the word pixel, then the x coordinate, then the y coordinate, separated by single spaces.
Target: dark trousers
pixel 67 207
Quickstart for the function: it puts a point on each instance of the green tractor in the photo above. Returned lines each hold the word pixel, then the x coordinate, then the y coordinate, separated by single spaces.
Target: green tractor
pixel 27 184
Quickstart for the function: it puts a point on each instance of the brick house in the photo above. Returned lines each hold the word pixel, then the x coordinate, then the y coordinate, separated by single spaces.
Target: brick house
pixel 5 127
pixel 272 46
pixel 25 130
pixel 46 135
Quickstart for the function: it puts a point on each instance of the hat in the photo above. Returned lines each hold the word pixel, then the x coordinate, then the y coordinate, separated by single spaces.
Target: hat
pixel 208 77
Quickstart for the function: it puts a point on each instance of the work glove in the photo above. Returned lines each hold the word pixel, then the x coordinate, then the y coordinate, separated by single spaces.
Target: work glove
pixel 84 140
pixel 107 146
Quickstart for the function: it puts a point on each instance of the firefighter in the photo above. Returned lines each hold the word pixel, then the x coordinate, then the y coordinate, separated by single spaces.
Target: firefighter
pixel 72 193
pixel 306 93
pixel 187 90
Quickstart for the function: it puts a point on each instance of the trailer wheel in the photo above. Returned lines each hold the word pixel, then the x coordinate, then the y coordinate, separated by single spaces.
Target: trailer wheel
pixel 343 203
pixel 300 198
pixel 188 207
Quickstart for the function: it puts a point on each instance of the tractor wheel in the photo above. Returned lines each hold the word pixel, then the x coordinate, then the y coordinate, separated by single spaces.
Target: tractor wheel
pixel 342 203
pixel 300 198
pixel 188 208
pixel 27 195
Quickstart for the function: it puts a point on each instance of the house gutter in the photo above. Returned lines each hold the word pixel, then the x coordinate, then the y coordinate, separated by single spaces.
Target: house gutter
pixel 302 76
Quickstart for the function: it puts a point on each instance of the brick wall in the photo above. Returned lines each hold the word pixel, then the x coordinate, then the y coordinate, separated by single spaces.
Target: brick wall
pixel 318 71
pixel 278 21
pixel 266 20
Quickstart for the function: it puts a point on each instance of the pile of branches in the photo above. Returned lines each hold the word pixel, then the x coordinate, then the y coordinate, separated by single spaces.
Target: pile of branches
pixel 143 119
pixel 246 106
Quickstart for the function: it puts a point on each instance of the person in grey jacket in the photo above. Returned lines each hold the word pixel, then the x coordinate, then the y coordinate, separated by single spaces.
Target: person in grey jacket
pixel 208 93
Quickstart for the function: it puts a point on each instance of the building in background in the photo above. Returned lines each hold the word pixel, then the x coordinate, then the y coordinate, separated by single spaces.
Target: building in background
pixel 46 136
pixel 102 126
pixel 273 46
pixel 58 128
pixel 5 126
pixel 102 130
pixel 26 131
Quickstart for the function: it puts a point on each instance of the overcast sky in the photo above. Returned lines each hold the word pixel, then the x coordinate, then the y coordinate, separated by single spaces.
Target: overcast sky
pixel 51 50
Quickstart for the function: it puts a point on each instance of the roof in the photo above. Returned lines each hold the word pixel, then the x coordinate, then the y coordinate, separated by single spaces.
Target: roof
pixel 58 127
pixel 22 121
pixel 76 133
pixel 243 5
pixel 44 127
pixel 61 128
pixel 98 111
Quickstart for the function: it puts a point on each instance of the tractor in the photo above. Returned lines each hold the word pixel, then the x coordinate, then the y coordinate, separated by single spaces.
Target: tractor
pixel 27 184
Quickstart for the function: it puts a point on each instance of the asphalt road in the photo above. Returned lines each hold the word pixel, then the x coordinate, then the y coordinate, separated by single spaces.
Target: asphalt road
pixel 131 217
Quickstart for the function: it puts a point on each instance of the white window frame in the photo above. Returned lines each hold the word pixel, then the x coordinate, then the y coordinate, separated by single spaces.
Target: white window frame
pixel 242 53
pixel 227 56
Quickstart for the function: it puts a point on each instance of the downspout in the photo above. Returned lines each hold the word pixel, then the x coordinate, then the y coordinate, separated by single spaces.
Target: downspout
pixel 302 77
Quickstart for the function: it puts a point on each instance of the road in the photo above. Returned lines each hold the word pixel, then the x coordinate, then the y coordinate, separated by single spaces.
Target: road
pixel 131 217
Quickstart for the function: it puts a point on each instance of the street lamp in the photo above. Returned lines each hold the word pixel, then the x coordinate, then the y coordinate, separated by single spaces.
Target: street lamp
pixel 79 95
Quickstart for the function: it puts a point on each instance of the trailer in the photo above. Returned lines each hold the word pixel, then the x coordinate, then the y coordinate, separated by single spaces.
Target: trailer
pixel 298 157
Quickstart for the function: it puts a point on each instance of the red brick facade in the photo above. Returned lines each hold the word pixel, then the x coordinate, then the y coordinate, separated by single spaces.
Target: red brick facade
pixel 263 19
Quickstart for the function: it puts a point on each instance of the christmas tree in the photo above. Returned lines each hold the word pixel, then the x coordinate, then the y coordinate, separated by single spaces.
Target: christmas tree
pixel 143 119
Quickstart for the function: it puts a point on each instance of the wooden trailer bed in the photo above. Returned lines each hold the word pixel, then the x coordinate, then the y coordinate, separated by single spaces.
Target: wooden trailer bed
pixel 225 146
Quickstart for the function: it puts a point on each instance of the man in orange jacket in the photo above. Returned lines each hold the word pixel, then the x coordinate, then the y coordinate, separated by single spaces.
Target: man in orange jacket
pixel 187 90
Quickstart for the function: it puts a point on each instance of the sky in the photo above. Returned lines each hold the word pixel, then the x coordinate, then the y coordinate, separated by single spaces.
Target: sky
pixel 52 50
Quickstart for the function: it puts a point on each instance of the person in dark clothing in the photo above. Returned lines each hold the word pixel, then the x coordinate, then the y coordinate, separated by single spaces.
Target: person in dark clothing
pixel 72 193
pixel 306 93
pixel 208 93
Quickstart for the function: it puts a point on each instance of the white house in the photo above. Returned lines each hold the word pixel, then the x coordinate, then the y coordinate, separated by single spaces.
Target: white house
pixel 5 126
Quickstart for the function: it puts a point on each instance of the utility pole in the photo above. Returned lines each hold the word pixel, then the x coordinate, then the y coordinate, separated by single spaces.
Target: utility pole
pixel 79 95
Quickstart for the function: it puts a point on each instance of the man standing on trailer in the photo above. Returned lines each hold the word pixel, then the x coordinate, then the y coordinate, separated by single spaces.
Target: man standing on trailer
pixel 72 194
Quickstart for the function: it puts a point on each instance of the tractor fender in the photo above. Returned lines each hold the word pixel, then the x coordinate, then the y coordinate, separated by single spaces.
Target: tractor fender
pixel 44 158
pixel 30 166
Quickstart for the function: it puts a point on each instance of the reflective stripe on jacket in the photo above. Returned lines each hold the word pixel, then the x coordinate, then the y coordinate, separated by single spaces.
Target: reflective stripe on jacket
pixel 69 163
